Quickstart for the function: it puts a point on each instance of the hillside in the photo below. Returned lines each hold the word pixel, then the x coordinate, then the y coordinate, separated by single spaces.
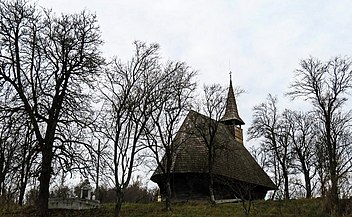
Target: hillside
pixel 301 208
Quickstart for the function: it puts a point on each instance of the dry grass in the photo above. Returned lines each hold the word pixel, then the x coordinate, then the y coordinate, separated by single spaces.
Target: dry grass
pixel 291 208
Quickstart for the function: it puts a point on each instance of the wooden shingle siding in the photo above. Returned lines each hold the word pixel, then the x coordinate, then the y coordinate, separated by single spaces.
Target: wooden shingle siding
pixel 232 161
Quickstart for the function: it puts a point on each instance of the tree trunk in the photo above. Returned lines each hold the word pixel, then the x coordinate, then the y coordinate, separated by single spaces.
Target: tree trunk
pixel 22 191
pixel 119 202
pixel 287 193
pixel 2 173
pixel 321 175
pixel 211 189
pixel 2 187
pixel 25 167
pixel 323 190
pixel 98 171
pixel 334 196
pixel 168 196
pixel 211 155
pixel 306 180
pixel 22 185
pixel 308 185
pixel 44 180
pixel 273 195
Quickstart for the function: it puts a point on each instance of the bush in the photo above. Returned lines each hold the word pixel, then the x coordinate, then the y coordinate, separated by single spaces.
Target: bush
pixel 135 193
pixel 32 196
pixel 62 192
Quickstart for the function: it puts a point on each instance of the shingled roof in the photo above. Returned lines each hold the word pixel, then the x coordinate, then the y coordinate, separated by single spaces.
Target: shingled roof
pixel 231 113
pixel 232 160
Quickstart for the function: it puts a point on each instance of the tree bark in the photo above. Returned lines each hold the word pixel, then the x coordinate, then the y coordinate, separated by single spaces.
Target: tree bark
pixel 168 195
pixel 211 175
pixel 286 189
pixel 211 189
pixel 98 171
pixel 24 181
pixel 308 186
pixel 119 202
pixel 306 175
pixel 334 197
pixel 307 182
pixel 44 180
pixel 25 170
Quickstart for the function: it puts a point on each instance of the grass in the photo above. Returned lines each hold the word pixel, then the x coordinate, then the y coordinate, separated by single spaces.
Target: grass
pixel 291 208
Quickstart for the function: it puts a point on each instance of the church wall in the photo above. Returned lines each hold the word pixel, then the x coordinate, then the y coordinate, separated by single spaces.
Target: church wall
pixel 194 186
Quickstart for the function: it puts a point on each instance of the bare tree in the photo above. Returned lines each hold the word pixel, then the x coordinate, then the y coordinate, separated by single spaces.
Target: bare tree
pixel 173 98
pixel 245 193
pixel 321 165
pixel 325 85
pixel 268 124
pixel 213 103
pixel 26 159
pixel 303 136
pixel 17 148
pixel 49 62
pixel 260 156
pixel 99 163
pixel 9 145
pixel 283 152
pixel 128 105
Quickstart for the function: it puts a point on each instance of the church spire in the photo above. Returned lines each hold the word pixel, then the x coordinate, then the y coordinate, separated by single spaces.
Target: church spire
pixel 231 116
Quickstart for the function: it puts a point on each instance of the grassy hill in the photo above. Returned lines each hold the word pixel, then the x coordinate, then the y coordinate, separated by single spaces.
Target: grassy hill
pixel 299 208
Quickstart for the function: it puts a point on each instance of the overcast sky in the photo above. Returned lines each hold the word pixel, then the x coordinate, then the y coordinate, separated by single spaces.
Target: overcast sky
pixel 261 41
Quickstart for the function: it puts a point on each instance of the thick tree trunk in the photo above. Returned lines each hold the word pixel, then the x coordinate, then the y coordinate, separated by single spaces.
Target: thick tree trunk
pixel 44 180
pixel 308 186
pixel 306 180
pixel 334 195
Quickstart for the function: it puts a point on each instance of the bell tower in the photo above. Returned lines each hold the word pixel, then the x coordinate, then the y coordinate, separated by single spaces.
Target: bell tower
pixel 231 117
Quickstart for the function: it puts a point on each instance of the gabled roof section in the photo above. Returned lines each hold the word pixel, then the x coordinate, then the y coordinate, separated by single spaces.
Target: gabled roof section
pixel 231 115
pixel 232 159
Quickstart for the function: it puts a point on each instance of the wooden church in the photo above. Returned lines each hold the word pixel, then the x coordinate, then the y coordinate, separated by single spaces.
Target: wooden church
pixel 236 173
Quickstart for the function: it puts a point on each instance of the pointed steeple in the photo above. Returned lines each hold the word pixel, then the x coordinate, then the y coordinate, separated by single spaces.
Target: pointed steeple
pixel 231 116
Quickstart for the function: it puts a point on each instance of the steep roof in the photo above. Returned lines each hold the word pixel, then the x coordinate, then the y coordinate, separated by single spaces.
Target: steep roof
pixel 232 159
pixel 231 115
